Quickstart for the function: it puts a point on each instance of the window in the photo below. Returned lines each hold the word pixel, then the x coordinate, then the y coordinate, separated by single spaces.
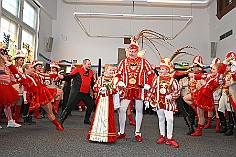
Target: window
pixel 224 6
pixel 28 45
pixel 9 27
pixel 12 6
pixel 19 21
pixel 29 15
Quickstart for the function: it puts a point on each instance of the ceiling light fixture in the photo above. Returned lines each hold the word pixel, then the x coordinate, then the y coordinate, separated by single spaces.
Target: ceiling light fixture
pixel 78 15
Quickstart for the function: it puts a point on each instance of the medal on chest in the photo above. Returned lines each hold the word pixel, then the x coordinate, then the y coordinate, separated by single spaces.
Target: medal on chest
pixel 164 84
pixel 133 65
pixel 163 91
pixel 107 82
pixel 132 81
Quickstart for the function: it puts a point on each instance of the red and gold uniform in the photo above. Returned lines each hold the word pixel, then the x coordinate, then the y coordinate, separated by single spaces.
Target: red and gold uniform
pixel 162 86
pixel 135 73
pixel 163 94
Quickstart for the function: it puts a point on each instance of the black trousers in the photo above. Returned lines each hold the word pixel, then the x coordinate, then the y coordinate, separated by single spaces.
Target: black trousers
pixel 75 98
pixel 25 109
pixel 182 106
pixel 65 100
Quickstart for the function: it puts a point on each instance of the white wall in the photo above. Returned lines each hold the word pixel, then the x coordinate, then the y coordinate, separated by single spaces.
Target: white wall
pixel 45 31
pixel 218 27
pixel 50 7
pixel 45 25
pixel 70 42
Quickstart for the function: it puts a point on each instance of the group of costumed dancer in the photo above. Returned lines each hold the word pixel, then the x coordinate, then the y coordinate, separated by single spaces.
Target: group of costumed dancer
pixel 134 80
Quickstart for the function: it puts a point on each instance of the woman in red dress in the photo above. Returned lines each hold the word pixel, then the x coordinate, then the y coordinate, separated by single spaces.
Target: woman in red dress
pixel 38 92
pixel 9 95
pixel 203 97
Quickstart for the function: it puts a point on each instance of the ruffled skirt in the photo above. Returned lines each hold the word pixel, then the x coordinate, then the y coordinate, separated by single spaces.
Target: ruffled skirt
pixel 46 94
pixel 8 95
pixel 203 101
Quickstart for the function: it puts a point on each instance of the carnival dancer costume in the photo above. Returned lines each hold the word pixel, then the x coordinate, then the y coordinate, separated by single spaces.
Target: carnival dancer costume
pixel 163 94
pixel 52 84
pixel 184 108
pixel 203 97
pixel 227 99
pixel 47 94
pixel 9 95
pixel 19 61
pixel 216 97
pixel 134 72
pixel 103 128
pixel 39 93
pixel 194 83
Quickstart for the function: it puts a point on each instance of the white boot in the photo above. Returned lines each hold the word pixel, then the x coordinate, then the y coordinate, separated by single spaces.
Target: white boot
pixel 0 127
pixel 12 124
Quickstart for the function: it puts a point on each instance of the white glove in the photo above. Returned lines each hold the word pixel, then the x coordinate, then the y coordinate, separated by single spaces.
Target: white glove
pixel 121 84
pixel 220 81
pixel 168 98
pixel 233 67
pixel 102 90
pixel 146 103
pixel 146 87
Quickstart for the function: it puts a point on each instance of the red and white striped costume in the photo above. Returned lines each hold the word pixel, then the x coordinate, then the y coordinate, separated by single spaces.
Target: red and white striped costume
pixel 162 86
pixel 135 73
pixel 224 103
pixel 163 94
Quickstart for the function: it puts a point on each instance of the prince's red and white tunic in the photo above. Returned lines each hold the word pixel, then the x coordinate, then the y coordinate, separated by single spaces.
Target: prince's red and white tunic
pixel 135 73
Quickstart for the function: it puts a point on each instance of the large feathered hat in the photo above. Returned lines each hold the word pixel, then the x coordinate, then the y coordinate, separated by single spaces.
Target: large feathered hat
pixel 134 44
pixel 166 63
pixel 19 54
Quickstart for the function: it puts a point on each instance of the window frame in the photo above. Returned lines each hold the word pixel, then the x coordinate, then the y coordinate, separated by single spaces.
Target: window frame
pixel 223 9
pixel 24 26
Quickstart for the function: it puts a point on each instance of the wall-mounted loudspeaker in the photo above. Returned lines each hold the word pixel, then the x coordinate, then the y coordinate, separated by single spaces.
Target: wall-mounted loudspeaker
pixel 49 44
pixel 213 49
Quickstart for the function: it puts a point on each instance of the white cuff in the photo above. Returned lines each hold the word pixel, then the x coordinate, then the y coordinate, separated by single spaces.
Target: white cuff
pixel 8 63
pixel 24 95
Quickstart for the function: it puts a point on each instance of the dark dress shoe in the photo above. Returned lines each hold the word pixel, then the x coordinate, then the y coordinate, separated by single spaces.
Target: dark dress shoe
pixel 87 121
